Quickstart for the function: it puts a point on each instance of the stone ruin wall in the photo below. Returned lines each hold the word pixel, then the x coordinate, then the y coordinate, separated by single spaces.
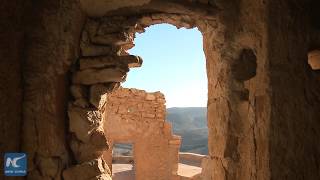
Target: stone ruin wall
pixel 134 116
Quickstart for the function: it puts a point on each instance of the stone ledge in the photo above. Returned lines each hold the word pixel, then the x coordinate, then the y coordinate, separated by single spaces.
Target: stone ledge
pixel 89 50
pixel 95 76
pixel 120 38
pixel 105 61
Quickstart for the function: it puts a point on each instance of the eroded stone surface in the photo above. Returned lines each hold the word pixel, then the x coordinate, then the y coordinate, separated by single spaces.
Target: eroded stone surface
pixel 95 50
pixel 105 61
pixel 135 116
pixel 272 126
pixel 94 76
pixel 83 121
pixel 88 170
pixel 112 39
pixel 79 91
pixel 99 8
pixel 87 151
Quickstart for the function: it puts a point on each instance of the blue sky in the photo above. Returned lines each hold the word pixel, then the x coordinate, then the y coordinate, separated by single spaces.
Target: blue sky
pixel 173 63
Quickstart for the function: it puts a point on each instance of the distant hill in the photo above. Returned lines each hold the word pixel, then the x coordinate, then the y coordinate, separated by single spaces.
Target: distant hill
pixel 191 124
pixel 122 149
pixel 188 122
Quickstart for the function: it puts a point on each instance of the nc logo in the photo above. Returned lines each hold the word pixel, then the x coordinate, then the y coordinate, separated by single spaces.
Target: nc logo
pixel 15 164
pixel 13 161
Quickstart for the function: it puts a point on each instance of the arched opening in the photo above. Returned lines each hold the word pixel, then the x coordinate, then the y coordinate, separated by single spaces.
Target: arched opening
pixel 100 106
pixel 174 64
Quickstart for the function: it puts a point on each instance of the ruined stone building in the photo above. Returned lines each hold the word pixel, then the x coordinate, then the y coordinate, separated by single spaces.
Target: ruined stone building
pixel 133 116
pixel 59 61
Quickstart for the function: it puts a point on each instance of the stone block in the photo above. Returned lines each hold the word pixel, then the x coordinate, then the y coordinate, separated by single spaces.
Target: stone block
pixel 48 166
pixel 145 21
pixel 98 139
pixel 86 151
pixel 82 102
pixel 87 170
pixel 96 92
pixel 79 91
pixel 90 29
pixel 107 61
pixel 120 38
pixel 167 129
pixel 174 142
pixel 82 122
pixel 122 109
pixel 160 115
pixel 130 60
pixel 148 115
pixel 95 76
pixel 97 62
pixel 140 106
pixel 161 100
pixel 150 97
pixel 89 50
pixel 128 46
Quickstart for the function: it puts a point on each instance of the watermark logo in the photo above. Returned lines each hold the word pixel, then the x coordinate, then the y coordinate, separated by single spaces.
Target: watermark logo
pixel 15 164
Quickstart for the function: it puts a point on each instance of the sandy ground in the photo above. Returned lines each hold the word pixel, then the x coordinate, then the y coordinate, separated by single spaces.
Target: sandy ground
pixel 122 172
pixel 186 170
pixel 125 172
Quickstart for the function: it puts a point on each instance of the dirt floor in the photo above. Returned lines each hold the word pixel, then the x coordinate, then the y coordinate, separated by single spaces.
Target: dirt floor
pixel 186 170
pixel 122 172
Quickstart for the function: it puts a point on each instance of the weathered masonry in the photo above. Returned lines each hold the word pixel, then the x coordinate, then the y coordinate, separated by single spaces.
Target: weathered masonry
pixel 61 59
pixel 134 116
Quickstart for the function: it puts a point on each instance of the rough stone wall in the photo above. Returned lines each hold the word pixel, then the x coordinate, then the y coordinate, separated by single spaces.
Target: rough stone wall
pixel 101 66
pixel 262 92
pixel 52 35
pixel 295 97
pixel 263 121
pixel 11 90
pixel 238 106
pixel 134 116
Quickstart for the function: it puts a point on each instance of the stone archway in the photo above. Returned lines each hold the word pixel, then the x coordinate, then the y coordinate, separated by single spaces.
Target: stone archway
pixel 105 62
